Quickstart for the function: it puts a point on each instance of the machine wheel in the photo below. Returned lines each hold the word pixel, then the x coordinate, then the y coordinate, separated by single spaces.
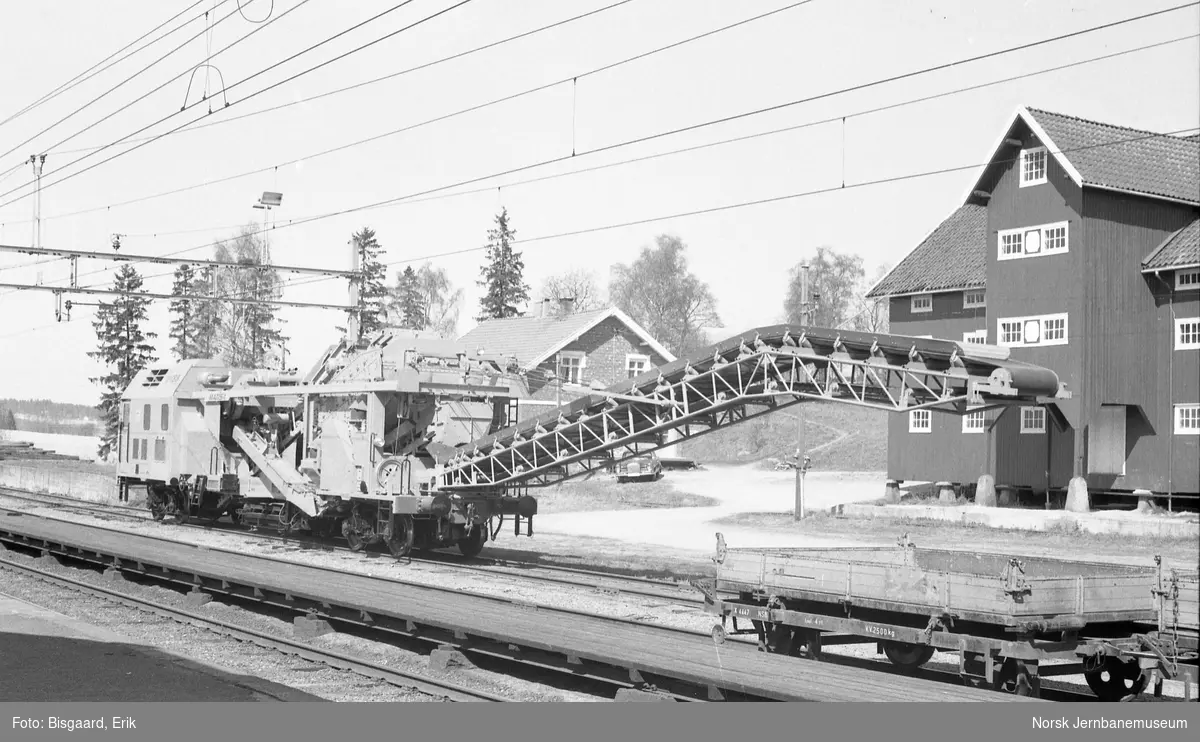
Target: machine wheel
pixel 806 643
pixel 351 534
pixel 400 541
pixel 471 544
pixel 1115 680
pixel 1015 677
pixel 907 656
pixel 719 635
pixel 779 638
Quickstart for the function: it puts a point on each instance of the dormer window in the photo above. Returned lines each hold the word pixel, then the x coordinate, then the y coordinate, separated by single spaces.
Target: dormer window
pixel 1033 166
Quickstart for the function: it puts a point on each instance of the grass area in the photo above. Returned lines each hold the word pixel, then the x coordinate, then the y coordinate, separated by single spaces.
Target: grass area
pixel 607 494
pixel 1058 540
pixel 838 438
pixel 86 467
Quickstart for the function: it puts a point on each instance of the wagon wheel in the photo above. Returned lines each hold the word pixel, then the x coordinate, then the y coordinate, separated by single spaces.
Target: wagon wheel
pixel 351 528
pixel 1016 677
pixel 807 643
pixel 779 638
pixel 400 540
pixel 907 656
pixel 1116 680
pixel 471 544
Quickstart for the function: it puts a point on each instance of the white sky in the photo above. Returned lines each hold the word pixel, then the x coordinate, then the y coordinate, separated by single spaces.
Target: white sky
pixel 744 254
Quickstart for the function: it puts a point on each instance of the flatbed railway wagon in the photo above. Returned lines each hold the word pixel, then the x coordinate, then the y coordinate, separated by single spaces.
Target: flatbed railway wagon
pixel 1011 621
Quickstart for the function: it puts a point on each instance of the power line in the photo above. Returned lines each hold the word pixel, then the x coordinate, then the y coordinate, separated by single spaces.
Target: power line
pixel 103 95
pixel 84 76
pixel 416 198
pixel 227 88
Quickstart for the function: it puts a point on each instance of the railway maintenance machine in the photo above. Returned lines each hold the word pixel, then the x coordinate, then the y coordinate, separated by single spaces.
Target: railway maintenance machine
pixel 367 446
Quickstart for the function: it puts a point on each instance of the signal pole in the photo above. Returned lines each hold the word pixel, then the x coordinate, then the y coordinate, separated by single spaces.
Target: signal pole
pixel 38 161
pixel 801 459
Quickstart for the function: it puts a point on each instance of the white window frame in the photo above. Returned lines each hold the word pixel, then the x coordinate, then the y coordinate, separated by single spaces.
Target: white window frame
pixel 914 416
pixel 630 358
pixel 974 422
pixel 1023 323
pixel 978 337
pixel 1021 234
pixel 1194 344
pixel 1025 156
pixel 1035 425
pixel 926 305
pixel 1187 280
pixel 1178 416
pixel 571 354
pixel 980 302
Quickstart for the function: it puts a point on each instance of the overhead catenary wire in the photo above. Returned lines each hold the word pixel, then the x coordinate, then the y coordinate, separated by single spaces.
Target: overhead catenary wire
pixel 425 195
pixel 91 72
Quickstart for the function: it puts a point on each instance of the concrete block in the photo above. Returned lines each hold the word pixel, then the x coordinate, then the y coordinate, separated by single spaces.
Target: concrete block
pixel 197 598
pixel 891 492
pixel 985 492
pixel 48 560
pixel 640 696
pixel 113 575
pixel 1077 496
pixel 945 492
pixel 310 628
pixel 1145 503
pixel 1006 497
pixel 444 658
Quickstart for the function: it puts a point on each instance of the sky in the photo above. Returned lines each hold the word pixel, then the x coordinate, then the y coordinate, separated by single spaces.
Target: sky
pixel 592 118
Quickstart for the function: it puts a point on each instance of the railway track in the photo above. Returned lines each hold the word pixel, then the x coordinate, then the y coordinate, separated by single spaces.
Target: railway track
pixel 606 582
pixel 434 687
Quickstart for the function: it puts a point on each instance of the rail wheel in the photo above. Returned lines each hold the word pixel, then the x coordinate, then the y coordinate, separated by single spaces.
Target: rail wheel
pixel 471 544
pixel 806 643
pixel 778 638
pixel 1017 677
pixel 907 656
pixel 1115 680
pixel 400 540
pixel 356 531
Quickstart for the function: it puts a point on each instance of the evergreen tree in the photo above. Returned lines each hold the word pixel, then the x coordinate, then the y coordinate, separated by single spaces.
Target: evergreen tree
pixel 373 292
pixel 503 274
pixel 248 335
pixel 122 347
pixel 207 314
pixel 409 301
pixel 184 314
pixel 8 421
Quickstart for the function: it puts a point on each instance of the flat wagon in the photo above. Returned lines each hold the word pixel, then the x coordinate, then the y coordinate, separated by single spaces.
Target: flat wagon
pixel 1005 617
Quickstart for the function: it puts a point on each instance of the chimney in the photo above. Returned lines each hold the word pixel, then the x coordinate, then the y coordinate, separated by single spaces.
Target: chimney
pixel 565 305
pixel 545 307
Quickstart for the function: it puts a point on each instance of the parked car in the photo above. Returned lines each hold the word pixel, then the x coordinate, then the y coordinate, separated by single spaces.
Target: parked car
pixel 643 469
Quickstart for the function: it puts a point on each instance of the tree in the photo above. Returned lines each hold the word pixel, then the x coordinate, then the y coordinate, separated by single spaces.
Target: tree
pixel 833 282
pixel 122 347
pixel 373 291
pixel 207 314
pixel 184 314
pixel 502 274
pixel 248 334
pixel 871 313
pixel 577 284
pixel 442 300
pixel 8 421
pixel 409 301
pixel 661 295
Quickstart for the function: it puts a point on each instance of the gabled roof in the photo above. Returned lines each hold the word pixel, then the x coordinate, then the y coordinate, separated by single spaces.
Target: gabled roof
pixel 1180 250
pixel 952 257
pixel 534 339
pixel 1114 158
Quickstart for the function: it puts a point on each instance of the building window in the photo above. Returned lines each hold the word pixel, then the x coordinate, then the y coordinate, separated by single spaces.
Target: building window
pixel 974 299
pixel 920 421
pixel 1187 333
pixel 1033 166
pixel 1033 420
pixel 1187 419
pixel 1188 280
pixel 166 416
pixel 922 303
pixel 636 365
pixel 978 337
pixel 974 422
pixel 1027 242
pixel 570 367
pixel 146 417
pixel 1033 331
pixel 160 449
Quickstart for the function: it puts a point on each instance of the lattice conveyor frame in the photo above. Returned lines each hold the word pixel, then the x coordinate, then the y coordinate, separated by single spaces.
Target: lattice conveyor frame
pixel 769 368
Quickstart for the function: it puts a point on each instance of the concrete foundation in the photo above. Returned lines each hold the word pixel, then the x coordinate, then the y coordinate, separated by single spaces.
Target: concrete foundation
pixel 90 486
pixel 311 628
pixel 1006 497
pixel 112 575
pixel 636 696
pixel 985 492
pixel 891 491
pixel 444 658
pixel 945 492
pixel 1146 502
pixel 197 598
pixel 1077 496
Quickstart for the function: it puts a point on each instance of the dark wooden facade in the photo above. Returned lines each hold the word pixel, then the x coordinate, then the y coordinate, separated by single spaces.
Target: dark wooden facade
pixel 1119 359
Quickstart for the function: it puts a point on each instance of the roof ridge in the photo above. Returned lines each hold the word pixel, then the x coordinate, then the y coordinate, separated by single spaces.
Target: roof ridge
pixel 1106 125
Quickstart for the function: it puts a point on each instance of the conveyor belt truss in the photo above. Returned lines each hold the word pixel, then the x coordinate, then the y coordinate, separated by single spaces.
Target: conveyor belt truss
pixel 750 375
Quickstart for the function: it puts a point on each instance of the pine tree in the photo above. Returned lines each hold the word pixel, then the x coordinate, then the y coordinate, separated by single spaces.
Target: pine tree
pixel 409 304
pixel 122 347
pixel 184 314
pixel 8 421
pixel 373 292
pixel 207 313
pixel 503 274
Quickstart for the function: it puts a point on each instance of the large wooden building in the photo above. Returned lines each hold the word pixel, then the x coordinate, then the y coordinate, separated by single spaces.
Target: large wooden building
pixel 1078 247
